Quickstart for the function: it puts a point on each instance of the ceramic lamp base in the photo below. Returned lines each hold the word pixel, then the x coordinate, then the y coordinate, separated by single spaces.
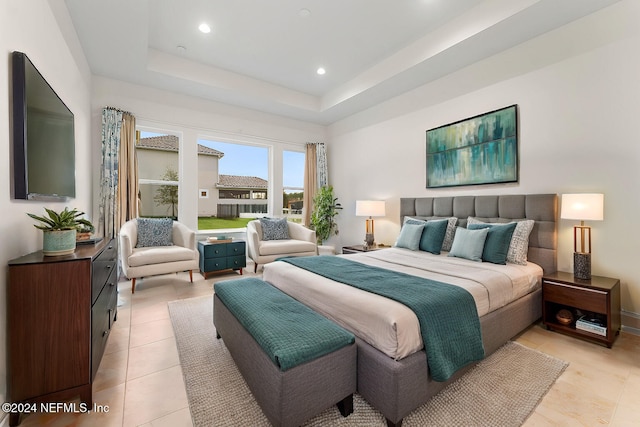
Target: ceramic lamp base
pixel 582 265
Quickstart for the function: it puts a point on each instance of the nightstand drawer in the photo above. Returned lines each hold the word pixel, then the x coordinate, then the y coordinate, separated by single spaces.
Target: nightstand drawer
pixel 215 264
pixel 587 299
pixel 236 262
pixel 215 250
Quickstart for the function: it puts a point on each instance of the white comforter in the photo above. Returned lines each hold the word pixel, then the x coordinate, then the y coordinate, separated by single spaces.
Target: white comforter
pixel 390 326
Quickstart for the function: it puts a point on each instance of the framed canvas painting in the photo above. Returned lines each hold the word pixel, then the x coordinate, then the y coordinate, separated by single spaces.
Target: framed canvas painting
pixel 478 150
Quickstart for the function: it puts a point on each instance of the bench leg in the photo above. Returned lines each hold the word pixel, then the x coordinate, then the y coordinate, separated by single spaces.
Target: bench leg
pixel 345 406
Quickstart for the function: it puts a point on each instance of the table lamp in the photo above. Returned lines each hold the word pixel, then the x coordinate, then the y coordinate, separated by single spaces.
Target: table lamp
pixel 583 207
pixel 369 208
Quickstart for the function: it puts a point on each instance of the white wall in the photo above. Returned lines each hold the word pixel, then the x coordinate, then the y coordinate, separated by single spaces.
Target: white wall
pixel 195 118
pixel 32 27
pixel 578 132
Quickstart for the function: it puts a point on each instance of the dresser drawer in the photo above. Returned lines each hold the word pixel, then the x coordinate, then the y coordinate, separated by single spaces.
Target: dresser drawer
pixel 215 264
pixel 104 272
pixel 574 296
pixel 236 248
pixel 102 315
pixel 215 251
pixel 110 253
pixel 235 262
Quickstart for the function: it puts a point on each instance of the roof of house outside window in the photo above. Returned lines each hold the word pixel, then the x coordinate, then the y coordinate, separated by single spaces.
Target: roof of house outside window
pixel 170 143
pixel 235 181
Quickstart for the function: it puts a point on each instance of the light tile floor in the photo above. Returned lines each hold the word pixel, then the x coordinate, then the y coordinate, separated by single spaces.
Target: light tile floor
pixel 140 379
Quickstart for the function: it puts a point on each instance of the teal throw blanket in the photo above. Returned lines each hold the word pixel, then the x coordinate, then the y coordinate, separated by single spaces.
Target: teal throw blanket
pixel 289 332
pixel 448 317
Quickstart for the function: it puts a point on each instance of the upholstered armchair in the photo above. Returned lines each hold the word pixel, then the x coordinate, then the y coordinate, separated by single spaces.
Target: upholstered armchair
pixel 301 241
pixel 156 252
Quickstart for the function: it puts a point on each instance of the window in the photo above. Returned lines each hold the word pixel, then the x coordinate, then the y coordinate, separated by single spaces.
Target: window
pixel 236 176
pixel 158 175
pixel 293 185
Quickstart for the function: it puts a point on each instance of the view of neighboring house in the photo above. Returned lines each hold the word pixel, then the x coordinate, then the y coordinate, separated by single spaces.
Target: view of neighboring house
pixel 241 194
pixel 219 195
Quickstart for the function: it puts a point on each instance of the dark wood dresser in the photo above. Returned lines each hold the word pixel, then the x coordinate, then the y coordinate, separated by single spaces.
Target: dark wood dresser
pixel 60 311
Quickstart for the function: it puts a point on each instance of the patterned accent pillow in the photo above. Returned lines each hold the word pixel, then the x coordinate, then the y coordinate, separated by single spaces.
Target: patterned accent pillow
pixel 451 232
pixel 155 232
pixel 519 246
pixel 274 228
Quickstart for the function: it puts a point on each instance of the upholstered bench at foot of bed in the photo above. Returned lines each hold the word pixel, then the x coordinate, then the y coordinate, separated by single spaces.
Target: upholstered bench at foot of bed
pixel 292 396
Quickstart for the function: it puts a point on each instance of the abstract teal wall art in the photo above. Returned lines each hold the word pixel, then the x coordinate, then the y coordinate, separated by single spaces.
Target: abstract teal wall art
pixel 478 150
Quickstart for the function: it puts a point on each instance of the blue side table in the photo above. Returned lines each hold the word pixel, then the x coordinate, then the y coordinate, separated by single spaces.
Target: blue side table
pixel 222 256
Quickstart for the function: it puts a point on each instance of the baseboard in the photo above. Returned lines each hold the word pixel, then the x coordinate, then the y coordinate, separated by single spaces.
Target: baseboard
pixel 630 322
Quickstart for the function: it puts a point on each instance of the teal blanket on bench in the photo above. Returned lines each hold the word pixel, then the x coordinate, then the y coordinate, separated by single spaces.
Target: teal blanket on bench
pixel 448 316
pixel 289 332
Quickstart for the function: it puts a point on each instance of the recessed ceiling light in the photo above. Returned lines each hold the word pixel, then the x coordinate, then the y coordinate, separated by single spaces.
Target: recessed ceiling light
pixel 181 49
pixel 304 13
pixel 321 71
pixel 204 28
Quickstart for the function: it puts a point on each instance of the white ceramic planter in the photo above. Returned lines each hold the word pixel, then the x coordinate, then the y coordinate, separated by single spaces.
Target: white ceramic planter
pixel 58 242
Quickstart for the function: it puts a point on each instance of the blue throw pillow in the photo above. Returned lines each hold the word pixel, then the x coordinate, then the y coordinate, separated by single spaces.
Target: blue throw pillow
pixel 274 228
pixel 432 235
pixel 410 236
pixel 469 244
pixel 496 247
pixel 154 232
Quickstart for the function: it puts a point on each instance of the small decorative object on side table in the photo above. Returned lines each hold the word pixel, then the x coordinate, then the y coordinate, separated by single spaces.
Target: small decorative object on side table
pixel 225 254
pixel 594 306
pixel 354 249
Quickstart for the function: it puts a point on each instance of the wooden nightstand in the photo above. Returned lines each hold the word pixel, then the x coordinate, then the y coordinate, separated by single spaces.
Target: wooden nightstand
pixel 222 256
pixel 596 298
pixel 354 249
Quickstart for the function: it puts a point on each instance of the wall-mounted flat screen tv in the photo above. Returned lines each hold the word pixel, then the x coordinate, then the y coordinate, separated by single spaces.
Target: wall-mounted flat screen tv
pixel 43 137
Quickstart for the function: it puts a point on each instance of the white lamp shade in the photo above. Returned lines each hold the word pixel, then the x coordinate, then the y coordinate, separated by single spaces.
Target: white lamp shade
pixel 370 208
pixel 583 207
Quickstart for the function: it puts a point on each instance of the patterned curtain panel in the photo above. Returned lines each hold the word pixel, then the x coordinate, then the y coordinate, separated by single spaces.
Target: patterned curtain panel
pixel 321 160
pixel 111 127
pixel 315 175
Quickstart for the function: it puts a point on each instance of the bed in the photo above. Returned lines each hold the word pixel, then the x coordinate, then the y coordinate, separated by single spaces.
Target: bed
pixel 393 374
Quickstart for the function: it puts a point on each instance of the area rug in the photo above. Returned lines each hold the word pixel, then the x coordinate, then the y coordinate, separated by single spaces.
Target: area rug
pixel 502 390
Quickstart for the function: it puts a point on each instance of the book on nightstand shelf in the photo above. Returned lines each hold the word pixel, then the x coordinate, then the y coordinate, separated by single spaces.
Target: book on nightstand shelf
pixel 589 325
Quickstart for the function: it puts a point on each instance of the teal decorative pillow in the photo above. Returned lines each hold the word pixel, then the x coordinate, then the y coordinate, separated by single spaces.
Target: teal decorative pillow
pixel 274 228
pixel 432 235
pixel 154 232
pixel 496 247
pixel 519 246
pixel 410 236
pixel 469 244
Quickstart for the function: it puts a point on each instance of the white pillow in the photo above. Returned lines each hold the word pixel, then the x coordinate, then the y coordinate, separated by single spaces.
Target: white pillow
pixel 519 246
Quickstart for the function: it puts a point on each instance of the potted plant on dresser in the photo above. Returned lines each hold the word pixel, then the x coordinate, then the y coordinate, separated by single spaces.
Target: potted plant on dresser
pixel 59 230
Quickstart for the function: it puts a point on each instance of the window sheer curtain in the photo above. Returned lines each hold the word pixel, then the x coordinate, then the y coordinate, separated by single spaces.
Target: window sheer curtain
pixel 119 173
pixel 315 175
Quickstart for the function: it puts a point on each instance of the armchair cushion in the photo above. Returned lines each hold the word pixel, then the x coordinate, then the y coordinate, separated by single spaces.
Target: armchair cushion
pixel 154 232
pixel 159 255
pixel 274 228
pixel 285 247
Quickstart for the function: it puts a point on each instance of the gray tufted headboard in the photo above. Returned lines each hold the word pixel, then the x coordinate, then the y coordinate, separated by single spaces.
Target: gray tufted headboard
pixel 543 208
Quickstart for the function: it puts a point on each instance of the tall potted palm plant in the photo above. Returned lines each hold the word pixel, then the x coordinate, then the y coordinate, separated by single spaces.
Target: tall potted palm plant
pixel 325 209
pixel 59 230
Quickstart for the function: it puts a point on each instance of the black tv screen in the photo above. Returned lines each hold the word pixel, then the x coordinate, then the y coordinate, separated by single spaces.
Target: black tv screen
pixel 43 137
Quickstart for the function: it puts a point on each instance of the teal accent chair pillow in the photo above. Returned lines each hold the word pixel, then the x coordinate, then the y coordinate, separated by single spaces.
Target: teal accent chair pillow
pixel 496 247
pixel 154 232
pixel 469 244
pixel 410 235
pixel 432 235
